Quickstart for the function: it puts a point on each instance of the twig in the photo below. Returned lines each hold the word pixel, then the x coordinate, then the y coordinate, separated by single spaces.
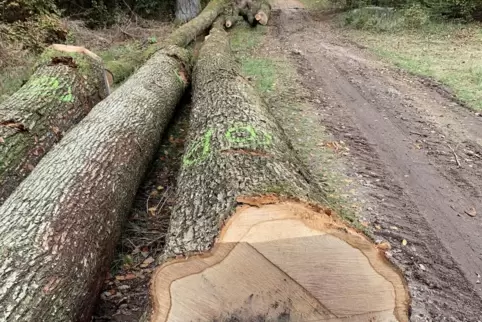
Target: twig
pixel 420 134
pixel 130 9
pixel 164 199
pixel 128 34
pixel 147 203
pixel 456 156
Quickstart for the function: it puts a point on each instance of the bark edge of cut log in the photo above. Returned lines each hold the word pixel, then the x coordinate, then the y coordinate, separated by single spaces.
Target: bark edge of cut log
pixel 279 257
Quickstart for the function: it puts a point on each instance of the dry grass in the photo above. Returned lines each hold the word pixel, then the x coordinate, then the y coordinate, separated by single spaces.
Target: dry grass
pixel 449 53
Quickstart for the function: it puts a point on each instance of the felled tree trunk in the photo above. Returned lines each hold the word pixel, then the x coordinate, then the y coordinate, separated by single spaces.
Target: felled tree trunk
pixel 60 226
pixel 63 89
pixel 232 16
pixel 187 9
pixel 278 252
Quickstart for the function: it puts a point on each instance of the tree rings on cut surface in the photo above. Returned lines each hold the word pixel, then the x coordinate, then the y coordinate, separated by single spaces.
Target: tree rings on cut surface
pixel 282 261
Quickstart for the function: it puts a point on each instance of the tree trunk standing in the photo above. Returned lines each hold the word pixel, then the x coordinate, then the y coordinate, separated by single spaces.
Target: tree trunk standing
pixel 59 94
pixel 61 225
pixel 186 33
pixel 281 256
pixel 187 9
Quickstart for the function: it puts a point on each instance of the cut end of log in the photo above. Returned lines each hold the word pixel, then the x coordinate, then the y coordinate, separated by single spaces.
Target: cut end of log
pixel 75 49
pixel 262 18
pixel 282 260
pixel 108 77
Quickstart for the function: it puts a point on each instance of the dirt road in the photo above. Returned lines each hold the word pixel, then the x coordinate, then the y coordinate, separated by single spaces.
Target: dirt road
pixel 416 153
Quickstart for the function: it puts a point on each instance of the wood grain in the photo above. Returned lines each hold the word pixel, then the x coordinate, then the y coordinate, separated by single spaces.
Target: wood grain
pixel 282 262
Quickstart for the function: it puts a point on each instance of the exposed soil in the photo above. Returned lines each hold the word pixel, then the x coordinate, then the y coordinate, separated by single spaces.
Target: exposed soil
pixel 415 152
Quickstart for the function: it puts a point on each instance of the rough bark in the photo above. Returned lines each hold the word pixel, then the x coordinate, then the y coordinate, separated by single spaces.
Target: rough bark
pixel 63 89
pixel 187 9
pixel 250 238
pixel 234 147
pixel 60 226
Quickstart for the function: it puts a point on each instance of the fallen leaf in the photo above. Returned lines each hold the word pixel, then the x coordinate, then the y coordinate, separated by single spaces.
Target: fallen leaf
pixel 393 227
pixel 56 130
pixel 153 210
pixel 404 242
pixel 378 227
pixel 471 212
pixel 147 262
pixel 130 276
pixel 2 140
pixel 120 277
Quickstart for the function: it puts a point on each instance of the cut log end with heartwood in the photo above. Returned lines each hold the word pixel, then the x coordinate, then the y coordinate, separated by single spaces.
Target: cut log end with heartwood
pixel 250 238
pixel 67 83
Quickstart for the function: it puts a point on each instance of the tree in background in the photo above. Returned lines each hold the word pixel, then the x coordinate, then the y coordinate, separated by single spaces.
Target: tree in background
pixel 187 9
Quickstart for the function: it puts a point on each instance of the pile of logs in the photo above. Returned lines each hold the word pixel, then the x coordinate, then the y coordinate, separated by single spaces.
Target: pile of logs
pixel 254 12
pixel 263 240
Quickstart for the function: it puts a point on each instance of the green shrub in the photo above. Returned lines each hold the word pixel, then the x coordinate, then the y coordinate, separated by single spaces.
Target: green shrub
pixel 451 9
pixel 374 18
pixel 20 10
pixel 415 16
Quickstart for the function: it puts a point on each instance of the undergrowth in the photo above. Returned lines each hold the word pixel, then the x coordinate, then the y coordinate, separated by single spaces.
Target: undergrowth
pixel 387 19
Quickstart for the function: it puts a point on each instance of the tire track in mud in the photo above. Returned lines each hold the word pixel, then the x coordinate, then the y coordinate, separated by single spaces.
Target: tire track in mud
pixel 403 137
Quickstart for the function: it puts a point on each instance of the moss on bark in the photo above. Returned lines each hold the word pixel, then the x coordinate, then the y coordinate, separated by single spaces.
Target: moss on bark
pixel 58 95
